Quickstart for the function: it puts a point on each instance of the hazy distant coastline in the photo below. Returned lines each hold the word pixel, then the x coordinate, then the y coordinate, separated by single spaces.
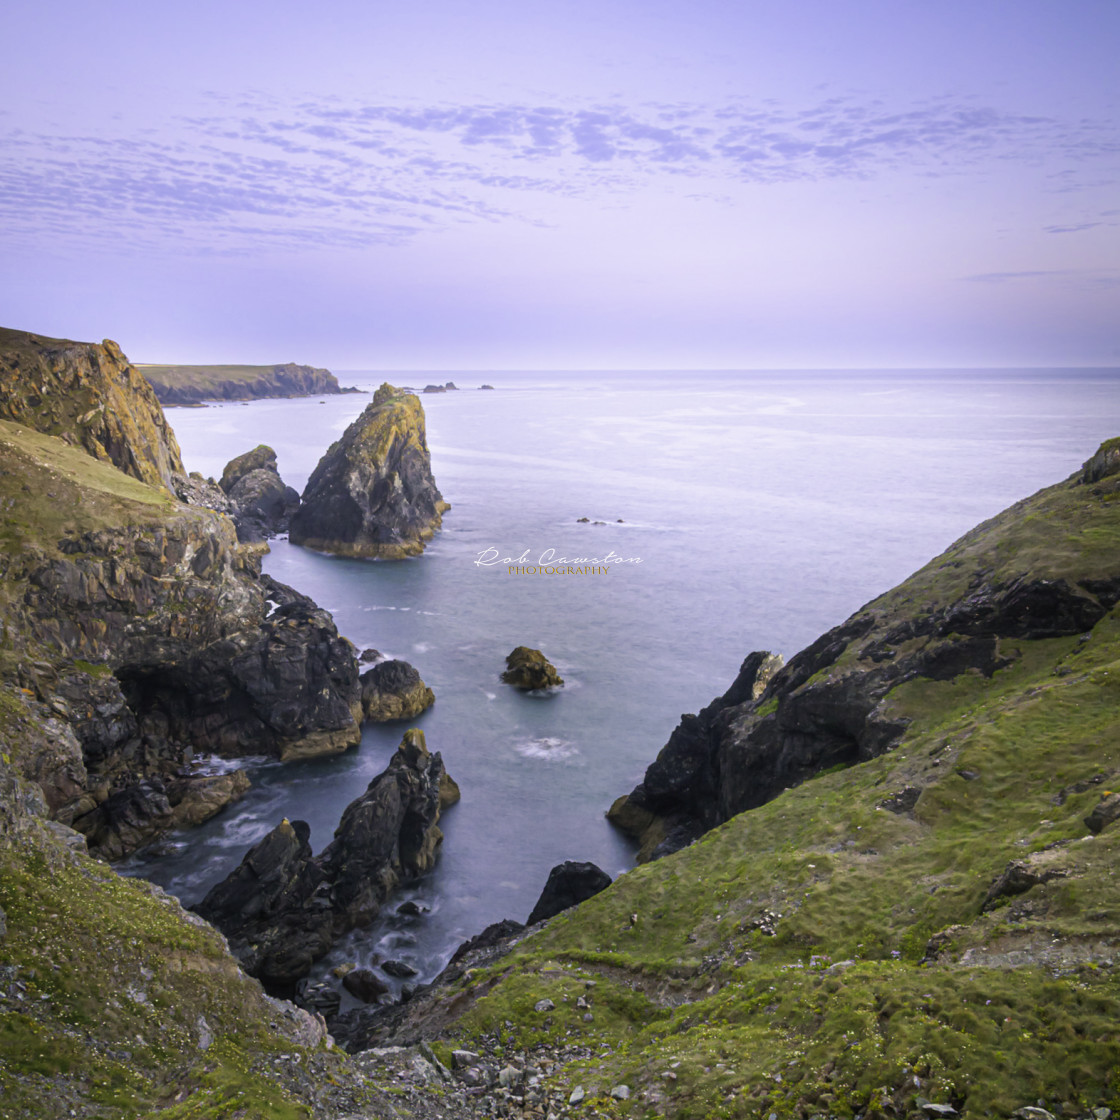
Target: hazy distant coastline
pixel 192 385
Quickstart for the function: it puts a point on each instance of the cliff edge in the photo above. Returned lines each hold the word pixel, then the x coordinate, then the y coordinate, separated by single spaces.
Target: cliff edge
pixel 91 397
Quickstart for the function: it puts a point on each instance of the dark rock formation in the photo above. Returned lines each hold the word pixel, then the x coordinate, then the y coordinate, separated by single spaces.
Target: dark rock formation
pixel 90 397
pixel 365 984
pixel 1104 812
pixel 1020 876
pixel 569 884
pixel 529 669
pixel 372 493
pixel 283 908
pixel 186 385
pixel 1001 584
pixel 393 690
pixel 142 625
pixel 261 504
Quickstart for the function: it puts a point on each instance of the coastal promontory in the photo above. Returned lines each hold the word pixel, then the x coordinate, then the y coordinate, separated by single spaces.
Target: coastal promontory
pixel 188 385
pixel 373 493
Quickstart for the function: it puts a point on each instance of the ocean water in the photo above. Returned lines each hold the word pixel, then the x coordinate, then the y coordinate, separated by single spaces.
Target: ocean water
pixel 754 512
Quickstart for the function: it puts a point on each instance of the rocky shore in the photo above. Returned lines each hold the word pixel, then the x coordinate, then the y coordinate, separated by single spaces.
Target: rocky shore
pixel 140 623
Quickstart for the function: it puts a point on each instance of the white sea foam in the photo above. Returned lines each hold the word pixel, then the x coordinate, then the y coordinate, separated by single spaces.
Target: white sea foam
pixel 547 749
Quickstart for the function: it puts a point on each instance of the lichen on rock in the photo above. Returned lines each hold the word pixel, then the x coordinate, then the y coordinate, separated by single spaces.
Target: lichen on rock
pixel 529 670
pixel 373 494
pixel 393 690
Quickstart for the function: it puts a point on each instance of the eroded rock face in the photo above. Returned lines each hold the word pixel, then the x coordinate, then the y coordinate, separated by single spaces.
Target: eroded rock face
pixel 569 884
pixel 261 504
pixel 529 669
pixel 393 690
pixel 1013 579
pixel 283 907
pixel 91 397
pixel 373 493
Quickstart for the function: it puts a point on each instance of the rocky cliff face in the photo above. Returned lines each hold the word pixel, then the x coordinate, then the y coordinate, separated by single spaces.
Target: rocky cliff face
pixel 90 397
pixel 185 385
pixel 283 907
pixel 143 625
pixel 373 494
pixel 964 613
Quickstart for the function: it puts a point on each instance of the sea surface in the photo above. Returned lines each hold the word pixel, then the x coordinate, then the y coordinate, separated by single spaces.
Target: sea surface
pixel 753 511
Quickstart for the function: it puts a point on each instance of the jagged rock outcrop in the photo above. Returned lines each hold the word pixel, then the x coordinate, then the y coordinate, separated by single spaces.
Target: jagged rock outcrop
pixel 283 907
pixel 185 385
pixel 569 883
pixel 393 690
pixel 372 494
pixel 261 504
pixel 1001 584
pixel 143 626
pixel 529 669
pixel 89 396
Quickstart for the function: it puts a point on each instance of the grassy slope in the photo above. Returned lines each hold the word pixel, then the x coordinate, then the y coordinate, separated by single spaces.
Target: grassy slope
pixel 49 488
pixel 202 377
pixel 106 989
pixel 776 967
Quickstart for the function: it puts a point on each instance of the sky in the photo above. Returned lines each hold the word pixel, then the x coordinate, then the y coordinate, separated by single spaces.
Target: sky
pixel 584 184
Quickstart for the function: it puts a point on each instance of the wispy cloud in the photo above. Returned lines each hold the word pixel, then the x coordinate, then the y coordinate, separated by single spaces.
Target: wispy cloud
pixel 1079 277
pixel 257 172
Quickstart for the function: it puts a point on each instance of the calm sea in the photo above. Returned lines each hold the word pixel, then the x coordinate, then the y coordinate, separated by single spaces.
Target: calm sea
pixel 758 510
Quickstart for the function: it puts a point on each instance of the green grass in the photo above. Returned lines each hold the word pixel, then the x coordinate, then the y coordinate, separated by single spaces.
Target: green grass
pixel 50 489
pixel 807 951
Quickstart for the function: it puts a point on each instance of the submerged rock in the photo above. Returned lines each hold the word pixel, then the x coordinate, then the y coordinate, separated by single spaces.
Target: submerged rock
pixel 283 907
pixel 393 690
pixel 569 884
pixel 372 493
pixel 529 669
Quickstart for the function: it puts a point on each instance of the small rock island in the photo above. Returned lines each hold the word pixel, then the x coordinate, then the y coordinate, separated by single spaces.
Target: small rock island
pixel 529 669
pixel 373 493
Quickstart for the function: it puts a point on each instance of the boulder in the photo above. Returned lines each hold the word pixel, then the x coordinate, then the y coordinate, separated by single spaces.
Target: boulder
pixel 529 669
pixel 365 984
pixel 373 493
pixel 283 907
pixel 261 504
pixel 569 884
pixel 262 457
pixel 1104 812
pixel 393 690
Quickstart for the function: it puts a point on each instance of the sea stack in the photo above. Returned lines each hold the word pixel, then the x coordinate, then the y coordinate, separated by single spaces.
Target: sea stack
pixel 372 493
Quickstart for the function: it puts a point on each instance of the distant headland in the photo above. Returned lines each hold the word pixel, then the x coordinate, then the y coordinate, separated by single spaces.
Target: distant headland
pixel 189 385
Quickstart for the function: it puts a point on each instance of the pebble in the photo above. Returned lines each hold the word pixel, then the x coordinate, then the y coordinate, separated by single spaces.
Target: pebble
pixel 620 1092
pixel 544 1005
pixel 577 1095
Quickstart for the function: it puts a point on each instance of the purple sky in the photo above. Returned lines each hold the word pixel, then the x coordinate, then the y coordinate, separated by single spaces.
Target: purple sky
pixel 570 184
